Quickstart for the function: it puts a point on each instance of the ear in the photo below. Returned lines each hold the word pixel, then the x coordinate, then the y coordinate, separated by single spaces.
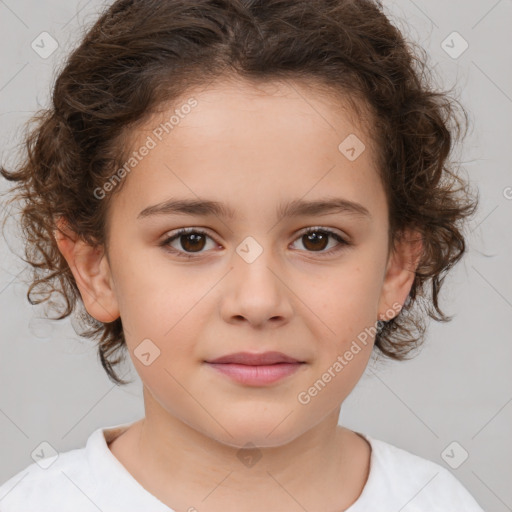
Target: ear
pixel 400 273
pixel 91 270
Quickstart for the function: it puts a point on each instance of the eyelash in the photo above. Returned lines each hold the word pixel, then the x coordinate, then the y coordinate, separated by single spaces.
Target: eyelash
pixel 187 231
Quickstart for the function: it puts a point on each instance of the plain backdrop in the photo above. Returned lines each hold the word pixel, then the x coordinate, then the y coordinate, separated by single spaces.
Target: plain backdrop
pixel 455 397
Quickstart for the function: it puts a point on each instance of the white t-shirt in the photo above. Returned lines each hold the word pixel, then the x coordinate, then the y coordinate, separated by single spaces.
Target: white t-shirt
pixel 92 479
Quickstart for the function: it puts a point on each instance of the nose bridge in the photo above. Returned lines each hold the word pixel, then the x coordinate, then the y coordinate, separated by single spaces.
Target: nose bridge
pixel 255 291
pixel 253 262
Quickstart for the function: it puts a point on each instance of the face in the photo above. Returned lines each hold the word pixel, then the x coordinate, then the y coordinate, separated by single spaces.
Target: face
pixel 259 270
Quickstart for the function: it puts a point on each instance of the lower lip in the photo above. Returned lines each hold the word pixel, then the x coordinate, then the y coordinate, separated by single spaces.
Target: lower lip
pixel 256 375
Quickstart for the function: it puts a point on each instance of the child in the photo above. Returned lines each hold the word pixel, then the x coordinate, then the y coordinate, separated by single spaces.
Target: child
pixel 260 128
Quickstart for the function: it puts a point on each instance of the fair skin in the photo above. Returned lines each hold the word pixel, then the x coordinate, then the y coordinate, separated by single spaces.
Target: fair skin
pixel 252 149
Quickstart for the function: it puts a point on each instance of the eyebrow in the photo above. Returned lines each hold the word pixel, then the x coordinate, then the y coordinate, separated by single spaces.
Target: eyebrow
pixel 297 207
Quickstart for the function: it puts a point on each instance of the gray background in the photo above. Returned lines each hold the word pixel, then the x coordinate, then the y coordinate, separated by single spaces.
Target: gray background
pixel 459 388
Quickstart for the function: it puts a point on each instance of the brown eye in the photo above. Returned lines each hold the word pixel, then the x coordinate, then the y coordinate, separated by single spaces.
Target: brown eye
pixel 187 242
pixel 317 240
pixel 192 242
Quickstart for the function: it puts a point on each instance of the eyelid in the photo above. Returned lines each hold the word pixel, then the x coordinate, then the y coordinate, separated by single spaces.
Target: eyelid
pixel 205 231
pixel 175 234
pixel 342 239
pixel 323 228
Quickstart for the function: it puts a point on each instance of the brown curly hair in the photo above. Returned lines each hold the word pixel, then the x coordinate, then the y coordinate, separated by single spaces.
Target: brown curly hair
pixel 142 54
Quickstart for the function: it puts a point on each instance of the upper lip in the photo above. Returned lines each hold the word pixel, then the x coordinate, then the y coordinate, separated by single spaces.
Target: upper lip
pixel 248 358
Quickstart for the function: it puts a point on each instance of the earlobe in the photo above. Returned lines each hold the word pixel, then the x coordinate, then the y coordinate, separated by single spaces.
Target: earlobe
pixel 91 271
pixel 400 274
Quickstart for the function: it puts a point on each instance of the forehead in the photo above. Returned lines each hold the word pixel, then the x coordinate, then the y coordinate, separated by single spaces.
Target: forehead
pixel 288 107
pixel 264 139
pixel 264 102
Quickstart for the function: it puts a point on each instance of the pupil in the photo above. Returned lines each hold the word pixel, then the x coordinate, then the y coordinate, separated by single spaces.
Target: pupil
pixel 315 237
pixel 195 238
pixel 314 241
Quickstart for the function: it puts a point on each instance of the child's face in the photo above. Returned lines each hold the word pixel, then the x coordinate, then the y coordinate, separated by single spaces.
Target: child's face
pixel 253 152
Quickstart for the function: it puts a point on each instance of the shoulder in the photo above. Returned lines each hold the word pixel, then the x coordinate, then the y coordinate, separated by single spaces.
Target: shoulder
pixel 83 480
pixel 47 481
pixel 86 479
pixel 402 480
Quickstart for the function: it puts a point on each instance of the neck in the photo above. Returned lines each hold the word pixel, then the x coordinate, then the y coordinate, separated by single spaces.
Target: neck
pixel 186 469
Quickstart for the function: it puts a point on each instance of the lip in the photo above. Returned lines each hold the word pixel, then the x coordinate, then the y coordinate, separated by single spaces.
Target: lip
pixel 256 369
pixel 248 358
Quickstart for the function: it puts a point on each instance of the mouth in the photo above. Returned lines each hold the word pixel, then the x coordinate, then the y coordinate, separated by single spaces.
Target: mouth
pixel 248 358
pixel 256 369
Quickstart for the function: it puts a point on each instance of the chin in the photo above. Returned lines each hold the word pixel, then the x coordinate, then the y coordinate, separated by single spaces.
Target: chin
pixel 271 432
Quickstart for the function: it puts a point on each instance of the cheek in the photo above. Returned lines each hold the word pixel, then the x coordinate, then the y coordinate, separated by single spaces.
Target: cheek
pixel 343 299
pixel 154 296
pixel 163 347
pixel 342 315
pixel 171 309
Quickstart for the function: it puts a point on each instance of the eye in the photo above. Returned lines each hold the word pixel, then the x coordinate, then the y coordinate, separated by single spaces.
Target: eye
pixel 192 240
pixel 315 239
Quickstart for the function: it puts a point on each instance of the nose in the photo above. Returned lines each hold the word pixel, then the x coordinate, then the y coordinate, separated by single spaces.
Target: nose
pixel 257 292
